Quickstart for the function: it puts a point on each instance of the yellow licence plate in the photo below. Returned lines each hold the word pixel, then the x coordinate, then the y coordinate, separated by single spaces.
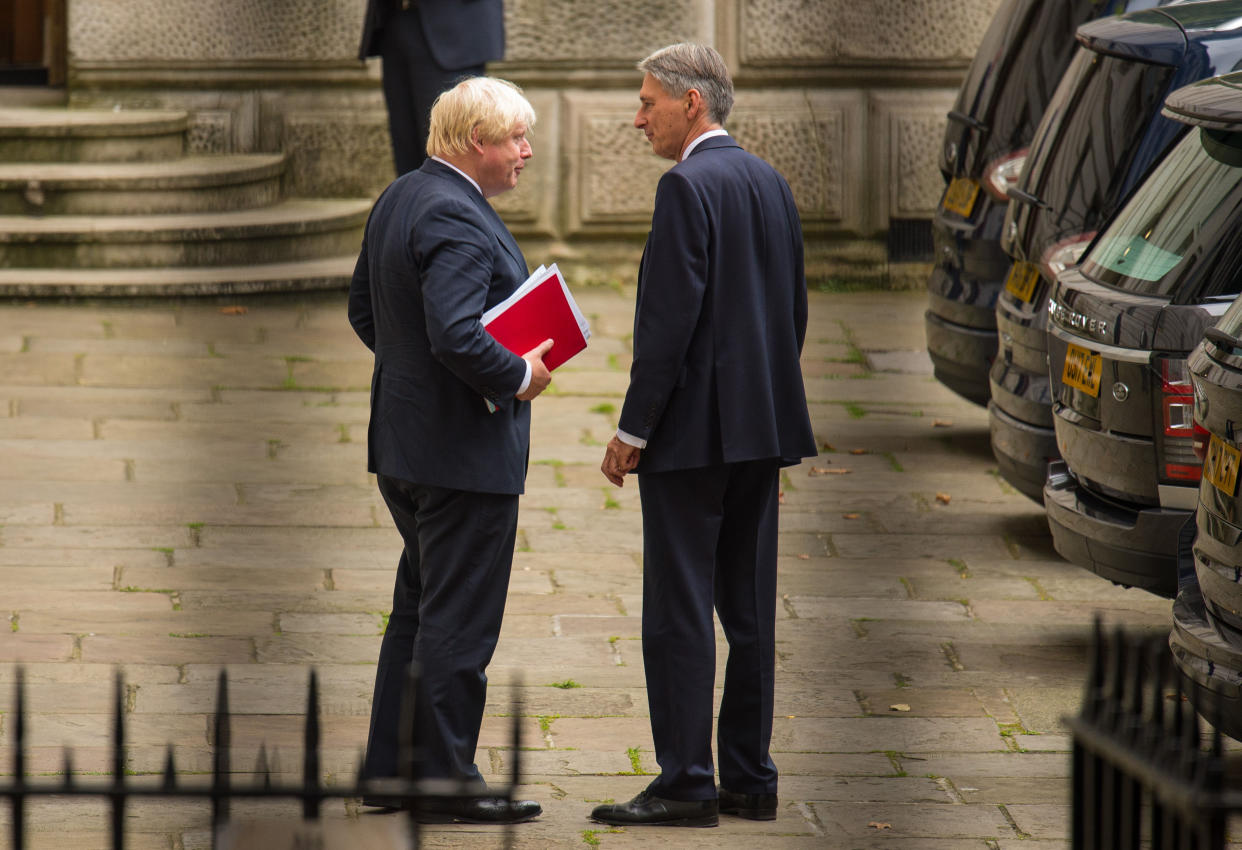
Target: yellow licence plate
pixel 1022 279
pixel 1082 369
pixel 1220 467
pixel 960 196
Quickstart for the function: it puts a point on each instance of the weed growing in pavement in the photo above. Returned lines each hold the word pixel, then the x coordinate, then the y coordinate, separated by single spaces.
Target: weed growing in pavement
pixel 636 763
pixel 565 685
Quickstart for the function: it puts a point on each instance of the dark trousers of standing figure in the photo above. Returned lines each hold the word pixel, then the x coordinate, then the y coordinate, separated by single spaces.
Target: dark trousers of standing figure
pixel 709 540
pixel 412 82
pixel 447 606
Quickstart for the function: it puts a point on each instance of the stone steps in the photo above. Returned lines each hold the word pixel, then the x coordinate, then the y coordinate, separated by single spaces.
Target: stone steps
pixel 35 134
pixel 190 184
pixel 299 276
pixel 98 203
pixel 297 229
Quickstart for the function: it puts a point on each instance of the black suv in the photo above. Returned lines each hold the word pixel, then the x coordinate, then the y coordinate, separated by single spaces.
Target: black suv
pixel 1018 64
pixel 1122 325
pixel 1207 615
pixel 1100 135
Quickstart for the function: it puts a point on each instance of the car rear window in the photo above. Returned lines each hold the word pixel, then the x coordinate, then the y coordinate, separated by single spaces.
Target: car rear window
pixel 1080 162
pixel 1016 70
pixel 1178 231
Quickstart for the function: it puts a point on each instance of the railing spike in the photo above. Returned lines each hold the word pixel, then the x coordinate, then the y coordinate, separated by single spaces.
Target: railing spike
pixel 220 761
pixel 19 761
pixel 310 759
pixel 118 729
pixel 516 774
pixel 406 756
pixel 1095 672
pixel 170 768
pixel 261 767
pixel 67 767
pixel 118 763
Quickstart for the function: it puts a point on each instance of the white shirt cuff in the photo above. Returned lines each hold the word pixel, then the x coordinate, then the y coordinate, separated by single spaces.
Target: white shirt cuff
pixel 631 440
pixel 525 381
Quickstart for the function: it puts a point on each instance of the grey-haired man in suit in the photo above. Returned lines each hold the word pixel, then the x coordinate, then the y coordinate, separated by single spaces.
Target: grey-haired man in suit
pixel 715 407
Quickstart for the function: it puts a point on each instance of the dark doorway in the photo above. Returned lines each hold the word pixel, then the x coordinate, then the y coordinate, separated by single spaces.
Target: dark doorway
pixel 32 42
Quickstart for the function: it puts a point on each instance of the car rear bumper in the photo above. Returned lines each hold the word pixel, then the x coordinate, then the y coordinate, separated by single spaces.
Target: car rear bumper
pixel 961 356
pixel 1134 546
pixel 1211 666
pixel 1022 451
pixel 1218 567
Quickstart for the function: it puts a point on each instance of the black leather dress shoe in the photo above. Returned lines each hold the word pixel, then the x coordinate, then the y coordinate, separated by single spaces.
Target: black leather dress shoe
pixel 749 806
pixel 649 810
pixel 479 810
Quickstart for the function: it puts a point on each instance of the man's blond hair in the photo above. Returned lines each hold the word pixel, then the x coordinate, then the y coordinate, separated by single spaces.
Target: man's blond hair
pixel 492 105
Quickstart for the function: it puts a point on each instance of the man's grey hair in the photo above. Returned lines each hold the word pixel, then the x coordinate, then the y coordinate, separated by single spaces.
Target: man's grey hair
pixel 681 67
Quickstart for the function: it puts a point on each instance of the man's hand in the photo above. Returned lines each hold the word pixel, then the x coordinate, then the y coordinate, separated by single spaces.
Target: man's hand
pixel 540 377
pixel 619 458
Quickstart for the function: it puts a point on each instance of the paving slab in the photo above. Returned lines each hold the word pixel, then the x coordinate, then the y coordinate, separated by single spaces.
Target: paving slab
pixel 184 490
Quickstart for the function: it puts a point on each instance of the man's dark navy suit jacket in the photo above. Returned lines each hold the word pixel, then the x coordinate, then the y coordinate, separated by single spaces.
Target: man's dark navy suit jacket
pixel 720 318
pixel 434 257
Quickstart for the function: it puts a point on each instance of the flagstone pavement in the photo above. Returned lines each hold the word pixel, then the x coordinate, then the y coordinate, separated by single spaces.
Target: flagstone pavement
pixel 183 490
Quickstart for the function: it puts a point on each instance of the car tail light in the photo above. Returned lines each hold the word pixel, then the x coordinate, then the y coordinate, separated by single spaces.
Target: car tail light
pixel 1064 254
pixel 1179 456
pixel 1199 437
pixel 1000 174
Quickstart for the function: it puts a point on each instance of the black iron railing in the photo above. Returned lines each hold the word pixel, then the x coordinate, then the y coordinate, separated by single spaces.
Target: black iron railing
pixel 1143 770
pixel 405 790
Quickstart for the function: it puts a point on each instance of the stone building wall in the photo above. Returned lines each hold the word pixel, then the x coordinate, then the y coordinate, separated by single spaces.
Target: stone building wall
pixel 846 97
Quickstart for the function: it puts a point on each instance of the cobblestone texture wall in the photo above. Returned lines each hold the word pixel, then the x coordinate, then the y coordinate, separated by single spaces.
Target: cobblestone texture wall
pixel 846 97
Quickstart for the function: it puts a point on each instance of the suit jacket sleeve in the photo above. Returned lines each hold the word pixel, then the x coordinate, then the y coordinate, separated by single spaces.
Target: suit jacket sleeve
pixel 671 286
pixel 361 315
pixel 452 251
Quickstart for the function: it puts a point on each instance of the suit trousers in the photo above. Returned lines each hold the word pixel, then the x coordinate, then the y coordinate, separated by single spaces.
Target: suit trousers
pixel 412 82
pixel 709 540
pixel 447 605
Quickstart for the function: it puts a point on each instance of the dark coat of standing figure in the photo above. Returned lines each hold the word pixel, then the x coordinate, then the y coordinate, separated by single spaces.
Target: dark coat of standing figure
pixel 434 257
pixel 425 47
pixel 715 406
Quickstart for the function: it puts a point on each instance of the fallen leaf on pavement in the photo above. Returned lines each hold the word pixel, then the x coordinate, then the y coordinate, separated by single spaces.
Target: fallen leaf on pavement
pixel 819 470
pixel 943 498
pixel 234 310
pixel 780 498
pixel 803 556
pixel 858 451
pixel 942 423
pixel 875 824
pixel 851 516
pixel 837 470
pixel 901 706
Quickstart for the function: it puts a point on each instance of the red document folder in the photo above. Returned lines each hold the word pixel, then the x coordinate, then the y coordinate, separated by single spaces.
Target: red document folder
pixel 542 308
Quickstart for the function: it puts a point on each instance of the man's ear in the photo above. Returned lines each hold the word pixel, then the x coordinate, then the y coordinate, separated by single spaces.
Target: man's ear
pixel 475 140
pixel 694 104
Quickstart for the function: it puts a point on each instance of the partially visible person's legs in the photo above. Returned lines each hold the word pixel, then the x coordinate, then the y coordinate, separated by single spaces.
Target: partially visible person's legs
pixel 448 603
pixel 412 81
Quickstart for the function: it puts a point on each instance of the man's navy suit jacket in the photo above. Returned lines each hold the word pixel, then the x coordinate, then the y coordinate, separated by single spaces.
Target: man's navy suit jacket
pixel 460 33
pixel 434 257
pixel 720 317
